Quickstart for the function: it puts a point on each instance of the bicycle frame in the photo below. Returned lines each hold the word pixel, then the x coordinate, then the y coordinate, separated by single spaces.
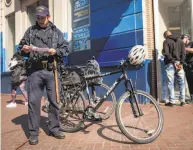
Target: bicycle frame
pixel 127 82
pixel 122 77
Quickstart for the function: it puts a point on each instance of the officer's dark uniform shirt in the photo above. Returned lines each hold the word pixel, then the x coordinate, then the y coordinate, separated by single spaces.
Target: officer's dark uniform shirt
pixel 189 56
pixel 49 37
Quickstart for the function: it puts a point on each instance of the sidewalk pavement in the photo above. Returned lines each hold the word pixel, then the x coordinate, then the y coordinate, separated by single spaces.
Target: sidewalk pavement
pixel 177 133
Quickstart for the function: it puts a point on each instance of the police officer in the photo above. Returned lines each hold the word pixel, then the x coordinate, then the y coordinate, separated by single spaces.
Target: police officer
pixel 189 62
pixel 43 34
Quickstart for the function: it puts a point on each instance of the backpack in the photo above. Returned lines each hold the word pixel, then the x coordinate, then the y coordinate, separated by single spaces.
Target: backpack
pixel 18 70
pixel 18 75
pixel 70 78
pixel 93 68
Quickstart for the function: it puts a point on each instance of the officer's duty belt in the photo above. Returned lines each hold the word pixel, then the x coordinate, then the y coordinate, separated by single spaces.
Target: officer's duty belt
pixel 44 64
pixel 40 65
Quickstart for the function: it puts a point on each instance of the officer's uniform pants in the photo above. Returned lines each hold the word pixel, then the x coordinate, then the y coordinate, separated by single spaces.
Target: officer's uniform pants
pixel 36 83
pixel 189 77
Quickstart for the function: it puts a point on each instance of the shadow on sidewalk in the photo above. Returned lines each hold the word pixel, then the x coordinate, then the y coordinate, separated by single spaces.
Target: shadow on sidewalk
pixel 23 121
pixel 21 102
pixel 112 128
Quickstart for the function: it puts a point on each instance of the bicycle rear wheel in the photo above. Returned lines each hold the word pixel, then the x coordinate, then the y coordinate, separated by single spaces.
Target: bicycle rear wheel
pixel 71 112
pixel 142 129
pixel 97 92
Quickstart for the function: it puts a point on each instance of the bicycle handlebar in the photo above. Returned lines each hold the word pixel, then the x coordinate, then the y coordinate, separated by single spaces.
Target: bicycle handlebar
pixel 124 64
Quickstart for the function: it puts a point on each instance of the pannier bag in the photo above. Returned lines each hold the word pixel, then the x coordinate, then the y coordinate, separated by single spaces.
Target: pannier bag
pixel 72 78
pixel 93 68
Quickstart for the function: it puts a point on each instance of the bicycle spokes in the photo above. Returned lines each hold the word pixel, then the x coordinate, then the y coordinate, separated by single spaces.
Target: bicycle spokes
pixel 139 117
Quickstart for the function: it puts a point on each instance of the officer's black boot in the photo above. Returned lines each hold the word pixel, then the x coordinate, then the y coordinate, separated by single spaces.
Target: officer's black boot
pixel 33 139
pixel 58 135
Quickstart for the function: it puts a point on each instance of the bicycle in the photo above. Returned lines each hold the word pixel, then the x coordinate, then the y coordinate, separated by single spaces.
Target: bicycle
pixel 75 111
pixel 73 92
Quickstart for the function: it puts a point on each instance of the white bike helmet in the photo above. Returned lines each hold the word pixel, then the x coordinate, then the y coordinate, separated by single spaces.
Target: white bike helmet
pixel 137 55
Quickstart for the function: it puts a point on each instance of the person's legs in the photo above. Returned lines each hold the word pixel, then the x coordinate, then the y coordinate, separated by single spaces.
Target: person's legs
pixel 190 82
pixel 23 91
pixel 13 104
pixel 170 71
pixel 13 95
pixel 35 88
pixel 189 77
pixel 181 82
pixel 53 113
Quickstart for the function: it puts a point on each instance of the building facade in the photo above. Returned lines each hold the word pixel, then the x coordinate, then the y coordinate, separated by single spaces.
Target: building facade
pixel 106 29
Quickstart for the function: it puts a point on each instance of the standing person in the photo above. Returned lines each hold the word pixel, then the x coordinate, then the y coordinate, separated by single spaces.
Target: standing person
pixel 18 79
pixel 43 34
pixel 173 50
pixel 189 62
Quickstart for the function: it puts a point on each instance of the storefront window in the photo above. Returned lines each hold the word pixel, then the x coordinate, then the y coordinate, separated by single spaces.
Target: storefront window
pixel 186 17
pixel 174 16
pixel 179 17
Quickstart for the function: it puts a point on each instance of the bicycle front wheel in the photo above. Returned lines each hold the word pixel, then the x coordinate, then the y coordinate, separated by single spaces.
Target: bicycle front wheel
pixel 140 129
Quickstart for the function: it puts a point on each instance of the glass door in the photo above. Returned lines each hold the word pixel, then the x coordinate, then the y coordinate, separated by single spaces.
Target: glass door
pixel 186 17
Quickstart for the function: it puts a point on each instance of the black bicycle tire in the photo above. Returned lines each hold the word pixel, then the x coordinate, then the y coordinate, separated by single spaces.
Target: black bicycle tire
pixel 125 132
pixel 77 128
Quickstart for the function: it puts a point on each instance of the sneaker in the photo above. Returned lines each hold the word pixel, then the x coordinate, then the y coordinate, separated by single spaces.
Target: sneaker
pixel 11 105
pixel 182 104
pixel 169 104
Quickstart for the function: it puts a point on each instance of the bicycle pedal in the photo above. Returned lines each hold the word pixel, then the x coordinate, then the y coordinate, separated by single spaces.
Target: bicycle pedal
pixel 93 119
pixel 91 115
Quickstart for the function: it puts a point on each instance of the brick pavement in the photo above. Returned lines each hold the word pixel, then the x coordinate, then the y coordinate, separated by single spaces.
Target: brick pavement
pixel 177 133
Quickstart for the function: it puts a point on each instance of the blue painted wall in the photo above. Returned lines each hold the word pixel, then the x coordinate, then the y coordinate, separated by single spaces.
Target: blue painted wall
pixel 2 54
pixel 115 27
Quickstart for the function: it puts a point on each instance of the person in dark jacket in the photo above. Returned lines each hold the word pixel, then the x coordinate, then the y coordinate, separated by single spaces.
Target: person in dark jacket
pixel 173 51
pixel 189 62
pixel 42 43
pixel 18 79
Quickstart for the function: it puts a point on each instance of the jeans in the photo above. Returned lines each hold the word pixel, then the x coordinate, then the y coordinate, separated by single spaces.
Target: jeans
pixel 179 74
